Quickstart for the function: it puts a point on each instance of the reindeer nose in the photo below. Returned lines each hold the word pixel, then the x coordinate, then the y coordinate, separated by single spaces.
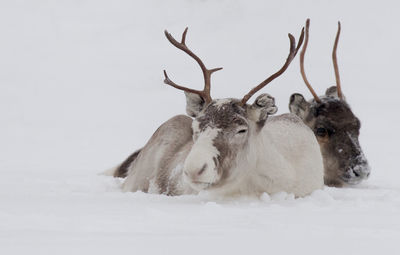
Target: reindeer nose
pixel 361 171
pixel 201 171
pixel 197 173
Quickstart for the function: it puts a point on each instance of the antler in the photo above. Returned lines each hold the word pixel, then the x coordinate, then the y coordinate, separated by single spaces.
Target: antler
pixel 205 93
pixel 292 54
pixel 303 74
pixel 335 65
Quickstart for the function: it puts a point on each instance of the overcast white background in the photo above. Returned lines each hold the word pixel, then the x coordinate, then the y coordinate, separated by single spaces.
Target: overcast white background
pixel 81 88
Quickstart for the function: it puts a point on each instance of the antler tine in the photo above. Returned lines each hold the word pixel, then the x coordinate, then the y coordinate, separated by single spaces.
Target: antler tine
pixel 205 93
pixel 173 84
pixel 335 65
pixel 292 54
pixel 303 74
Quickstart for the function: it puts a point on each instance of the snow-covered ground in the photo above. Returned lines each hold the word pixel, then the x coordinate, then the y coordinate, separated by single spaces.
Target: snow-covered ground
pixel 81 88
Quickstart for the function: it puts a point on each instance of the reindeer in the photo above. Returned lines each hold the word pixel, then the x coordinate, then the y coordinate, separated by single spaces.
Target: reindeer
pixel 335 126
pixel 229 148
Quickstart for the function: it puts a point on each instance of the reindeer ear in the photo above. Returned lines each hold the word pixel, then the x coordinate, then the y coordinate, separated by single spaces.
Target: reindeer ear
pixel 194 104
pixel 332 92
pixel 263 106
pixel 298 105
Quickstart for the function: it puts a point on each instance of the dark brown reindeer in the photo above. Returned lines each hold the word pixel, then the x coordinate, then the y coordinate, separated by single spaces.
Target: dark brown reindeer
pixel 335 126
pixel 229 148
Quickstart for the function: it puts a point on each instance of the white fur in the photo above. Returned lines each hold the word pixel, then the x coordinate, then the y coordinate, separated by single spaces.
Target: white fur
pixel 283 156
pixel 202 153
pixel 292 156
pixel 221 102
pixel 195 126
pixel 176 171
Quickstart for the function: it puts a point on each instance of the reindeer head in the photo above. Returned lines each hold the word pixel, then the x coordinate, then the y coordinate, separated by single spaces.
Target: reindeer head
pixel 223 129
pixel 335 126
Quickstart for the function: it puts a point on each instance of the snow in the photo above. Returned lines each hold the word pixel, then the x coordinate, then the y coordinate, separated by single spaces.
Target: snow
pixel 80 213
pixel 81 89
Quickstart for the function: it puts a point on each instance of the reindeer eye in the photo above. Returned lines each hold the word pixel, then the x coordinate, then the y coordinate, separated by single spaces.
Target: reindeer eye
pixel 242 131
pixel 321 132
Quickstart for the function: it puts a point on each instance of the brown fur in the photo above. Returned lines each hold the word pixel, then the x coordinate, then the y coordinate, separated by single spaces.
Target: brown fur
pixel 337 130
pixel 122 170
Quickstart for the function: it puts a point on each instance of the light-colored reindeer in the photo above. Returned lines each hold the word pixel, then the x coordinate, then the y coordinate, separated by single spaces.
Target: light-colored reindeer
pixel 230 148
pixel 335 126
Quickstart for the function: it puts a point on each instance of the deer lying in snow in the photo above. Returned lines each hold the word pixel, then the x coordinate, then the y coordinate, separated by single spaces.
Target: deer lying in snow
pixel 229 148
pixel 335 126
